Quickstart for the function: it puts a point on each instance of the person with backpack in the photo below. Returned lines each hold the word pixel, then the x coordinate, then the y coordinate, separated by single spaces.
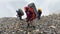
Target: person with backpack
pixel 33 15
pixel 20 13
pixel 28 13
pixel 39 13
pixel 34 8
pixel 30 16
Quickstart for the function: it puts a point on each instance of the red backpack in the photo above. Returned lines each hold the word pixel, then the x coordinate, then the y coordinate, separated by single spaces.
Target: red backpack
pixel 32 12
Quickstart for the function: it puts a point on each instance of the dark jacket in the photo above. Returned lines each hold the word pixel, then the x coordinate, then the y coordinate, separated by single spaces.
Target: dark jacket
pixel 39 14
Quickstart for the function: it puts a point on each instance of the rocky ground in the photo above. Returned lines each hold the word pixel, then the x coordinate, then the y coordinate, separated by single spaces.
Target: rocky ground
pixel 46 25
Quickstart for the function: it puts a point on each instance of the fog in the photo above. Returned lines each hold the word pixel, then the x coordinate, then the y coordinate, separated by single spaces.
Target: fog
pixel 8 7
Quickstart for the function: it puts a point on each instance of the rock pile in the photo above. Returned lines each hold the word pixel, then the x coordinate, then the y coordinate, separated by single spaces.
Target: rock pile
pixel 46 25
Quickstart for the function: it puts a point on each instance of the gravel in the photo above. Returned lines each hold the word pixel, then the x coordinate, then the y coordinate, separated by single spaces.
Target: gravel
pixel 46 25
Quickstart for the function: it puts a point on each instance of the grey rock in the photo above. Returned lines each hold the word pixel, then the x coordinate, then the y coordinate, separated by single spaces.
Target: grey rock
pixel 46 25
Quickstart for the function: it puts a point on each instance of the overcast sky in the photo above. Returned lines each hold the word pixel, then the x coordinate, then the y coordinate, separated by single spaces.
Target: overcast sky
pixel 8 7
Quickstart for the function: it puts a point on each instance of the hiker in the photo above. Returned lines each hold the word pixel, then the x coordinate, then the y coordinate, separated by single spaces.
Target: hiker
pixel 39 13
pixel 20 13
pixel 28 13
pixel 33 15
pixel 30 16
pixel 34 8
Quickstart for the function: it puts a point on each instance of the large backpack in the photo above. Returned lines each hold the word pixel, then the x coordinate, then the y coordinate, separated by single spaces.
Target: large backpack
pixel 34 7
pixel 32 13
pixel 20 12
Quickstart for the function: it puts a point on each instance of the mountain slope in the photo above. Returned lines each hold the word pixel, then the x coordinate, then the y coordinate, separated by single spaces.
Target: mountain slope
pixel 47 25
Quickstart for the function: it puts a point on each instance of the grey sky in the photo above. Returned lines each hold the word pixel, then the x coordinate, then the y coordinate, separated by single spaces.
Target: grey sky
pixel 8 7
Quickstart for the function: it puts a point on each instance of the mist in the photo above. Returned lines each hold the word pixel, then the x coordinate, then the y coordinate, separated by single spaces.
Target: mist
pixel 8 7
